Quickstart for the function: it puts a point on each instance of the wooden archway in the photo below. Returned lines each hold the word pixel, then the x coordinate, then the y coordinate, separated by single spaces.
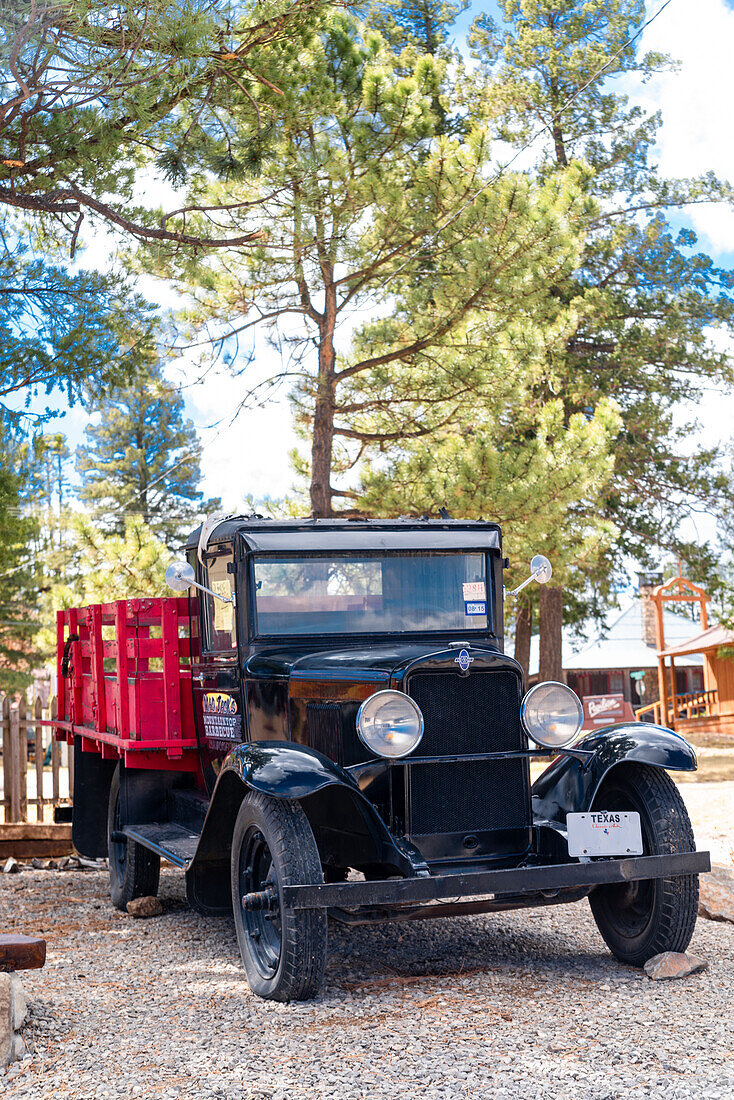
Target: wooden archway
pixel 677 590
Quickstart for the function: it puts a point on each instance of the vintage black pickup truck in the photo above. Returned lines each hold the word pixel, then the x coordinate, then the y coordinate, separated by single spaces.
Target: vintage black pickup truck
pixel 360 748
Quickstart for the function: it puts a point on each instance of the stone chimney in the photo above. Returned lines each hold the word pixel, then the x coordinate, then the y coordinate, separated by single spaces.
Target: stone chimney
pixel 648 581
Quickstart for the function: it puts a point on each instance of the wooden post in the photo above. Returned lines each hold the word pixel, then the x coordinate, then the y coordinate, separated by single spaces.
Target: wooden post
pixel 14 749
pixel 23 758
pixel 38 712
pixel 55 755
pixel 171 671
pixel 7 759
pixel 94 617
pixel 673 691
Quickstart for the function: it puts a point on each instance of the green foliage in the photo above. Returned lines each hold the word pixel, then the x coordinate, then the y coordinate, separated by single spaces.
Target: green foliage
pixel 18 591
pixel 93 93
pixel 62 331
pixel 648 300
pixel 109 567
pixel 142 459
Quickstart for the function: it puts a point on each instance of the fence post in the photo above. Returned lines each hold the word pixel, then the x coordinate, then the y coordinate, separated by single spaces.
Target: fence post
pixel 38 712
pixel 23 757
pixel 55 759
pixel 14 751
pixel 7 758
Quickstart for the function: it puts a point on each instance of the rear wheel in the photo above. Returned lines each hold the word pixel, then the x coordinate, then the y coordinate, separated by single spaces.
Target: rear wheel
pixel 134 870
pixel 641 919
pixel 283 950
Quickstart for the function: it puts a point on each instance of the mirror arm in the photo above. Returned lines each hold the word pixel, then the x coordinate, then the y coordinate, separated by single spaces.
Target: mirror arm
pixel 209 592
pixel 533 575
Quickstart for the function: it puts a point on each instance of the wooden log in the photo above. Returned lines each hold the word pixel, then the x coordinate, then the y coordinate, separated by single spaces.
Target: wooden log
pixel 24 840
pixel 22 953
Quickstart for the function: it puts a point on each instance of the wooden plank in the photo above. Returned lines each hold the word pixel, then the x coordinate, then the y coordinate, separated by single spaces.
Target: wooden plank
pixel 22 953
pixel 60 680
pixel 171 672
pixel 38 711
pixel 55 764
pixel 24 840
pixel 98 680
pixel 123 669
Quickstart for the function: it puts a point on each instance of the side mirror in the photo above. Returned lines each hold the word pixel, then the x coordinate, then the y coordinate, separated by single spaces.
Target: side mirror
pixel 179 576
pixel 541 571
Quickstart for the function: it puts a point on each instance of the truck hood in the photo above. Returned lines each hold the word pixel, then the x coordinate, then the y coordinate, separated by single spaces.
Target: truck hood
pixel 368 663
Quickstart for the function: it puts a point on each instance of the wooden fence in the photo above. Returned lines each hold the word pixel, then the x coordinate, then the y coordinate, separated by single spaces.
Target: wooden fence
pixel 35 782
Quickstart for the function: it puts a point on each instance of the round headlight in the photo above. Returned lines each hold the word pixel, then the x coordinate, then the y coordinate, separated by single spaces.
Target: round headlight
pixel 390 723
pixel 552 714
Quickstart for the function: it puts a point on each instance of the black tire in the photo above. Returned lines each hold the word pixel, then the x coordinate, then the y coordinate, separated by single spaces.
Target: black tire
pixel 641 919
pixel 283 950
pixel 134 870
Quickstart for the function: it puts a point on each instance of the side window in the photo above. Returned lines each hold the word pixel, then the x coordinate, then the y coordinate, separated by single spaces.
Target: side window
pixel 220 631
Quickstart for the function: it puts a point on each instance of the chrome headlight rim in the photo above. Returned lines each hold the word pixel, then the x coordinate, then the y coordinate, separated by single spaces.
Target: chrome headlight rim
pixel 392 692
pixel 533 734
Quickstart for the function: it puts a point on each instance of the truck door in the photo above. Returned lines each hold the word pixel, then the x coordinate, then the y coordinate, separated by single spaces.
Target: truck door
pixel 216 679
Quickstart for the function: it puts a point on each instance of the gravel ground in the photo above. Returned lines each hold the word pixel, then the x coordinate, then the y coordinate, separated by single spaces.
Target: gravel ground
pixel 517 1005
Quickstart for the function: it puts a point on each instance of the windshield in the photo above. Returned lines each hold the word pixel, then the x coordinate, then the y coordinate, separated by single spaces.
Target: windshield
pixel 371 593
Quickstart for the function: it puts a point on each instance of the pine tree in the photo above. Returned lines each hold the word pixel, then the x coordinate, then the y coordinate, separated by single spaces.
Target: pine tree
pixel 19 593
pixel 143 459
pixel 347 196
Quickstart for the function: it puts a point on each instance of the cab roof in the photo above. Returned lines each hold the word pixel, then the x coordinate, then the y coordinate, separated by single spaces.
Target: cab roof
pixel 354 534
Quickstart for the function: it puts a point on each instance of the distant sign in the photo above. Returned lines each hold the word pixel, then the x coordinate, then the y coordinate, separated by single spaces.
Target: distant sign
pixel 605 710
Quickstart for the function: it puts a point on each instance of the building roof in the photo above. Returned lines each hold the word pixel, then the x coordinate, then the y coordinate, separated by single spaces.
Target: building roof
pixel 712 638
pixel 618 643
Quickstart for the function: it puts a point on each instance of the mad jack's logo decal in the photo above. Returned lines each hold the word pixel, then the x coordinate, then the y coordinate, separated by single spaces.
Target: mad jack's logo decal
pixel 222 721
pixel 464 660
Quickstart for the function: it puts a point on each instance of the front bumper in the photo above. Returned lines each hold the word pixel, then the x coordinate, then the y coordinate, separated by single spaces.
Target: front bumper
pixel 512 882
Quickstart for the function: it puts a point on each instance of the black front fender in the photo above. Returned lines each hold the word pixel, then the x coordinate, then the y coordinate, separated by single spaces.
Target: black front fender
pixel 570 784
pixel 296 773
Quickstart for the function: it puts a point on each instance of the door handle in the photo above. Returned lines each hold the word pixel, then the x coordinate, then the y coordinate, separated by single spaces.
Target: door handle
pixel 199 677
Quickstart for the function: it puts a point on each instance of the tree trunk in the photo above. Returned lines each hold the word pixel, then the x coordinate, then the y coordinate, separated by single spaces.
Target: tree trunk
pixel 551 623
pixel 322 445
pixel 523 633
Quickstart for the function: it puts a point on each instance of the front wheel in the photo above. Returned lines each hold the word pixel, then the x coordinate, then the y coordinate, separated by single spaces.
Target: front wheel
pixel 641 919
pixel 283 950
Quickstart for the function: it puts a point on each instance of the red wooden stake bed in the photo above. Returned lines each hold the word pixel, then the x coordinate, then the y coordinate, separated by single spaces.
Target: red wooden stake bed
pixel 111 697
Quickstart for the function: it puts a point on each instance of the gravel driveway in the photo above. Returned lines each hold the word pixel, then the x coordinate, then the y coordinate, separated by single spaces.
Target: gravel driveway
pixel 521 1005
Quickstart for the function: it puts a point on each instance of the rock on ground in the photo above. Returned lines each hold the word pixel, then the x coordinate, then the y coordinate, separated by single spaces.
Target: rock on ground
pixel 673 964
pixel 13 1012
pixel 145 907
pixel 716 894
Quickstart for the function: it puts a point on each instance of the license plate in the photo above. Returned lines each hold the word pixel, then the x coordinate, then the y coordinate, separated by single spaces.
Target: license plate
pixel 604 833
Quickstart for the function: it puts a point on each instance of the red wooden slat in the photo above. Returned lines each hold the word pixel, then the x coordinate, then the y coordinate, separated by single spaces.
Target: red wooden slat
pixel 94 617
pixel 171 668
pixel 60 681
pixel 122 668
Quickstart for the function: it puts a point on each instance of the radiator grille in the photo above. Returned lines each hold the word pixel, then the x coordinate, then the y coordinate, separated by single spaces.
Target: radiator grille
pixel 468 714
pixel 324 729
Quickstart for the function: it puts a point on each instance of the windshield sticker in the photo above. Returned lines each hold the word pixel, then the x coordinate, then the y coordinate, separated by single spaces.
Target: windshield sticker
pixel 474 590
pixel 475 607
pixel 222 722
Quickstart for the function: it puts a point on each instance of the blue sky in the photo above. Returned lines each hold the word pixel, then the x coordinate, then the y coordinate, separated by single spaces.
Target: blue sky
pixel 250 456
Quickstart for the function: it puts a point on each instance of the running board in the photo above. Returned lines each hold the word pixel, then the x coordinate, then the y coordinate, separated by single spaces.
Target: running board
pixel 173 842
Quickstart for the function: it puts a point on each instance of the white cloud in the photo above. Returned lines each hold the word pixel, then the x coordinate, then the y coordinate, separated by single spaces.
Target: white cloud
pixel 697 134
